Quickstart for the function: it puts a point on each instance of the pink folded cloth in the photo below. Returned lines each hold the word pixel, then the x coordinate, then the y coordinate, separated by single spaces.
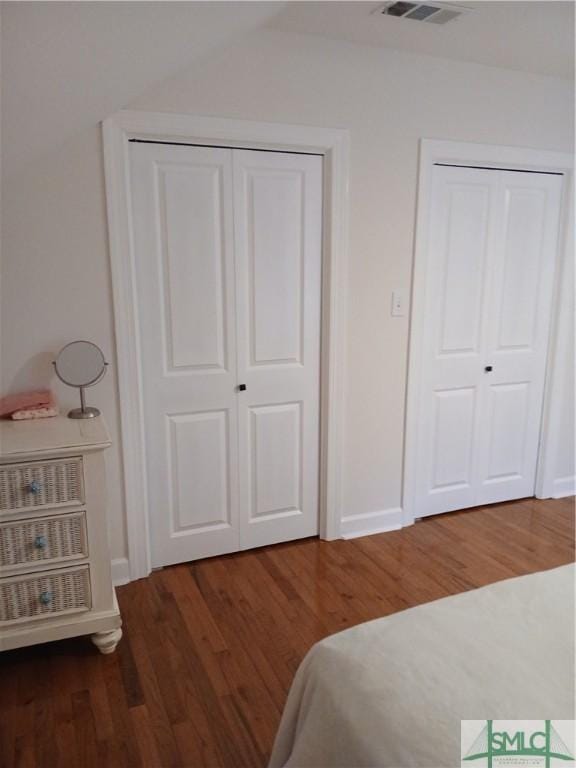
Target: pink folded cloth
pixel 24 401
pixel 34 413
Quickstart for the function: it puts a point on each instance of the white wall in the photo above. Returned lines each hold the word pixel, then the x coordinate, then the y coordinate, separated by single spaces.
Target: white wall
pixel 56 283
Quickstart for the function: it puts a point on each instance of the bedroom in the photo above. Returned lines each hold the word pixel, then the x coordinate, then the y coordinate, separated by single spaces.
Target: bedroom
pixel 363 115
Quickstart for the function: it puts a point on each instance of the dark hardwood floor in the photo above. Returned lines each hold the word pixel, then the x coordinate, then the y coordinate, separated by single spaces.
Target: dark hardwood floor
pixel 210 648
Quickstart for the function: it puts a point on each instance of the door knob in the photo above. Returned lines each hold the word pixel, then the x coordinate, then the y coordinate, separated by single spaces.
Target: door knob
pixel 241 387
pixel 488 368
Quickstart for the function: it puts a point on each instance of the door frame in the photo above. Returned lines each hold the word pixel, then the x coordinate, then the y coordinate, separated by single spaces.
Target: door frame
pixel 433 151
pixel 333 144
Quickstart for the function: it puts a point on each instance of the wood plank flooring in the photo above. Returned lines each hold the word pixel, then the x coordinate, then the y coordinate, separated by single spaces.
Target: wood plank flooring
pixel 210 648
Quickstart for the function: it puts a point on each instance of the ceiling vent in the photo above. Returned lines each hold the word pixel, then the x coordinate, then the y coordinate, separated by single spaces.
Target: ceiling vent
pixel 432 13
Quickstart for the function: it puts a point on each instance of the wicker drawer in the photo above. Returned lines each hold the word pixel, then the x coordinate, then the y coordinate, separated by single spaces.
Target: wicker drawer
pixel 50 593
pixel 37 484
pixel 46 540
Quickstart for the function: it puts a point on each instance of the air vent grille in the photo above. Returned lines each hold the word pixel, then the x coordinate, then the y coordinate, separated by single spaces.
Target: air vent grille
pixel 444 15
pixel 432 13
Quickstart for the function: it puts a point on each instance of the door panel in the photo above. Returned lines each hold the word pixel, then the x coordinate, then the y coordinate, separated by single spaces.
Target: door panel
pixel 199 469
pixel 492 248
pixel 190 223
pixel 464 264
pixel 522 252
pixel 448 477
pixel 454 434
pixel 275 460
pixel 523 268
pixel 460 239
pixel 273 232
pixel 182 208
pixel 507 408
pixel 278 226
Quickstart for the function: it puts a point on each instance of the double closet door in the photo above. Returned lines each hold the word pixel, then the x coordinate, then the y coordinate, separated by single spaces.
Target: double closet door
pixel 227 246
pixel 491 257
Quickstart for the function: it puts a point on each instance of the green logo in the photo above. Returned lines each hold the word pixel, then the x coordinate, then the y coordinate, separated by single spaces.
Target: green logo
pixel 544 743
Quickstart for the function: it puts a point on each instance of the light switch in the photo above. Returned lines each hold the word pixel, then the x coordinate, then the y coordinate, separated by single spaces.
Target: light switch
pixel 397 304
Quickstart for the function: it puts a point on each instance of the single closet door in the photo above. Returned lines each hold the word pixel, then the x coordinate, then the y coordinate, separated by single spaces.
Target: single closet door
pixel 278 239
pixel 517 332
pixel 228 254
pixel 491 258
pixel 183 246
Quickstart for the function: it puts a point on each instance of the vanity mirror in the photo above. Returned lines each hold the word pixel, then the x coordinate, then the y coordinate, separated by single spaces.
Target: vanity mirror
pixel 81 364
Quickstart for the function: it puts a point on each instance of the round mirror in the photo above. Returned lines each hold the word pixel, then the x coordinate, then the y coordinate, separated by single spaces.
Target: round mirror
pixel 81 364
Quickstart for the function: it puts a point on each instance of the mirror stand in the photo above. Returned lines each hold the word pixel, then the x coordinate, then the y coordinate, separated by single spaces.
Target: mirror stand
pixel 83 412
pixel 80 364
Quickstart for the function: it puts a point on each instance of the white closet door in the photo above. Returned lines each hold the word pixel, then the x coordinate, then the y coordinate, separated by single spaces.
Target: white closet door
pixel 492 249
pixel 460 239
pixel 182 209
pixel 228 262
pixel 518 327
pixel 278 226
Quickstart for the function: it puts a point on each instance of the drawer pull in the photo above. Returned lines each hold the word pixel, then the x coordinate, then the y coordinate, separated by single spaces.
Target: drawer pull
pixel 34 487
pixel 40 542
pixel 45 598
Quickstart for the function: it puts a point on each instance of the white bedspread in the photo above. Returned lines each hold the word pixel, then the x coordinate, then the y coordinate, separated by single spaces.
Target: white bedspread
pixel 391 692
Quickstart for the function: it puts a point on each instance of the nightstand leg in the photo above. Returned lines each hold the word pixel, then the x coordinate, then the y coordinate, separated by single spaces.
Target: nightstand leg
pixel 106 642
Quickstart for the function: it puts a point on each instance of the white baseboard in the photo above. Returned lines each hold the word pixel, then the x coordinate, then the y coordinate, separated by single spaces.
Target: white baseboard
pixel 120 571
pixel 564 486
pixel 382 521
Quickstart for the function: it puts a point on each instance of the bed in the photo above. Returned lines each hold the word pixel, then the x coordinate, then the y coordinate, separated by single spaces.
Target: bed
pixel 391 693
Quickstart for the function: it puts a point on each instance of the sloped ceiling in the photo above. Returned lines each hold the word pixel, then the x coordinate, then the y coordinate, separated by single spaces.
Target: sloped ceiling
pixel 535 36
pixel 66 65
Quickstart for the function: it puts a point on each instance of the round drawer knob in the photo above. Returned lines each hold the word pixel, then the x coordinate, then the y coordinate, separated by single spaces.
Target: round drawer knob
pixel 45 598
pixel 34 487
pixel 40 542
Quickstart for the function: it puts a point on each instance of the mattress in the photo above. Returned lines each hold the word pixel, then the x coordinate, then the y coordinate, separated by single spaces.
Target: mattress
pixel 391 693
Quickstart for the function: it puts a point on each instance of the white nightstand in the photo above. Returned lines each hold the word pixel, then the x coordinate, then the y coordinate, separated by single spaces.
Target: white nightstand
pixel 55 578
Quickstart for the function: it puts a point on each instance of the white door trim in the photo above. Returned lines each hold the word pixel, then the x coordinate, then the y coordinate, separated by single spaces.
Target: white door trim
pixel 434 151
pixel 333 144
